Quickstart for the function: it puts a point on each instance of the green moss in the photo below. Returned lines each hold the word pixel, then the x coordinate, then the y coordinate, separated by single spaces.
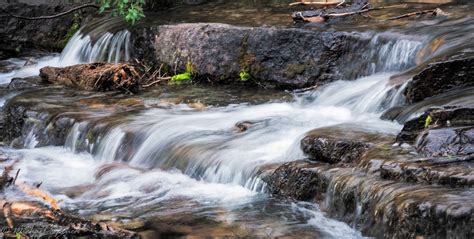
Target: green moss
pixel 75 26
pixel 72 30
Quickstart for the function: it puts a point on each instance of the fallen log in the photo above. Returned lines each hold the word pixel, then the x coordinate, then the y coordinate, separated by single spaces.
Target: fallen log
pixel 36 192
pixel 95 76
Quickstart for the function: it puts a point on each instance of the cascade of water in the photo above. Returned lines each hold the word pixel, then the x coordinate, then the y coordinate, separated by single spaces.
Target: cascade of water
pixel 108 47
pixel 381 52
pixel 205 145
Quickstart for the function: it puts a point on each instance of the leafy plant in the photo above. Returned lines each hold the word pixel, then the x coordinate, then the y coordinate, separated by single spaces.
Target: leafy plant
pixel 187 75
pixel 428 121
pixel 181 77
pixel 130 10
pixel 244 75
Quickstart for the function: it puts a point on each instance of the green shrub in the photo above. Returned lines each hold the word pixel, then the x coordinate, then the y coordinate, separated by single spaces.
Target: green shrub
pixel 130 10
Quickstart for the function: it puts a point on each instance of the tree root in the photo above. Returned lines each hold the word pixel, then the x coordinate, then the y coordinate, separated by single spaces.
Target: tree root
pixel 49 17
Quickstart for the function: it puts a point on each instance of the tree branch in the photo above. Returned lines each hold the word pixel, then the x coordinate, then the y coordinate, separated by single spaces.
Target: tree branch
pixel 52 16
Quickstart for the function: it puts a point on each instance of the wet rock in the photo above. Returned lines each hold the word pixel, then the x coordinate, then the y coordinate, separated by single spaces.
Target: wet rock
pixel 448 116
pixel 387 209
pixel 339 144
pixel 275 57
pixel 440 77
pixel 451 171
pixel 25 83
pixel 14 119
pixel 95 76
pixel 300 180
pixel 446 142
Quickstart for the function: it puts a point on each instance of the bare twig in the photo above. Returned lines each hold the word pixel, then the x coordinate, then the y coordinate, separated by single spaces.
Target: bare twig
pixel 314 87
pixel 432 11
pixel 160 79
pixel 52 16
pixel 16 176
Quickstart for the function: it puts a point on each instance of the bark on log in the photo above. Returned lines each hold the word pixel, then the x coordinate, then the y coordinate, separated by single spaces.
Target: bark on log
pixel 95 76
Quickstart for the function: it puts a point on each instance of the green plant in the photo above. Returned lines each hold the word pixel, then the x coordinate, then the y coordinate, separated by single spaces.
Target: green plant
pixel 187 75
pixel 244 75
pixel 130 10
pixel 181 77
pixel 428 121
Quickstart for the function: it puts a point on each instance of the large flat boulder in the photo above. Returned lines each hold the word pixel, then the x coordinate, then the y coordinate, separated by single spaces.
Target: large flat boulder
pixel 276 57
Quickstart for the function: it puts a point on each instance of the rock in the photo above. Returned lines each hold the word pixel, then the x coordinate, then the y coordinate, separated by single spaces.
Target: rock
pixel 440 77
pixel 441 117
pixel 20 35
pixel 448 141
pixel 276 57
pixel 24 83
pixel 300 180
pixel 339 144
pixel 95 76
pixel 451 171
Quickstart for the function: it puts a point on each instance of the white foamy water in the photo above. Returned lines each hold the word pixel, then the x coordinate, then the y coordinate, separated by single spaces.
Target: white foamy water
pixel 198 158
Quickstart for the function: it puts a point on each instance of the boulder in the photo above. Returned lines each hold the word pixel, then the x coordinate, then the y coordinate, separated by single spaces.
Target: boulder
pixel 24 83
pixel 448 141
pixel 95 76
pixel 300 180
pixel 275 57
pixel 440 77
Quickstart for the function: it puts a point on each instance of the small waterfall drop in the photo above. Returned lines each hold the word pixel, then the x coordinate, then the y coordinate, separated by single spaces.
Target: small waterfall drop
pixel 105 40
pixel 109 47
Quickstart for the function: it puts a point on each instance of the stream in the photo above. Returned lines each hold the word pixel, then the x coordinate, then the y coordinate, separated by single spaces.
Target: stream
pixel 169 167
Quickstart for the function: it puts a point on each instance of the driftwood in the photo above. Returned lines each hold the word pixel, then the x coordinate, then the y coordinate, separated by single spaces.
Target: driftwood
pixel 365 9
pixel 50 213
pixel 151 75
pixel 95 76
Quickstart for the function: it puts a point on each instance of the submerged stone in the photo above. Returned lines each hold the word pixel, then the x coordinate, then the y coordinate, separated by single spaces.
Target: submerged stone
pixel 24 83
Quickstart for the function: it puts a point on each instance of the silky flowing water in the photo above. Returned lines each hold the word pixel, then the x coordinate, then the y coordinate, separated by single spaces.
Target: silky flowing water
pixel 169 167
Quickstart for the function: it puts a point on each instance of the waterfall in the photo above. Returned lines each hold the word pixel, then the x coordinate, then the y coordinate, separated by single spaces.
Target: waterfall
pixel 109 47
